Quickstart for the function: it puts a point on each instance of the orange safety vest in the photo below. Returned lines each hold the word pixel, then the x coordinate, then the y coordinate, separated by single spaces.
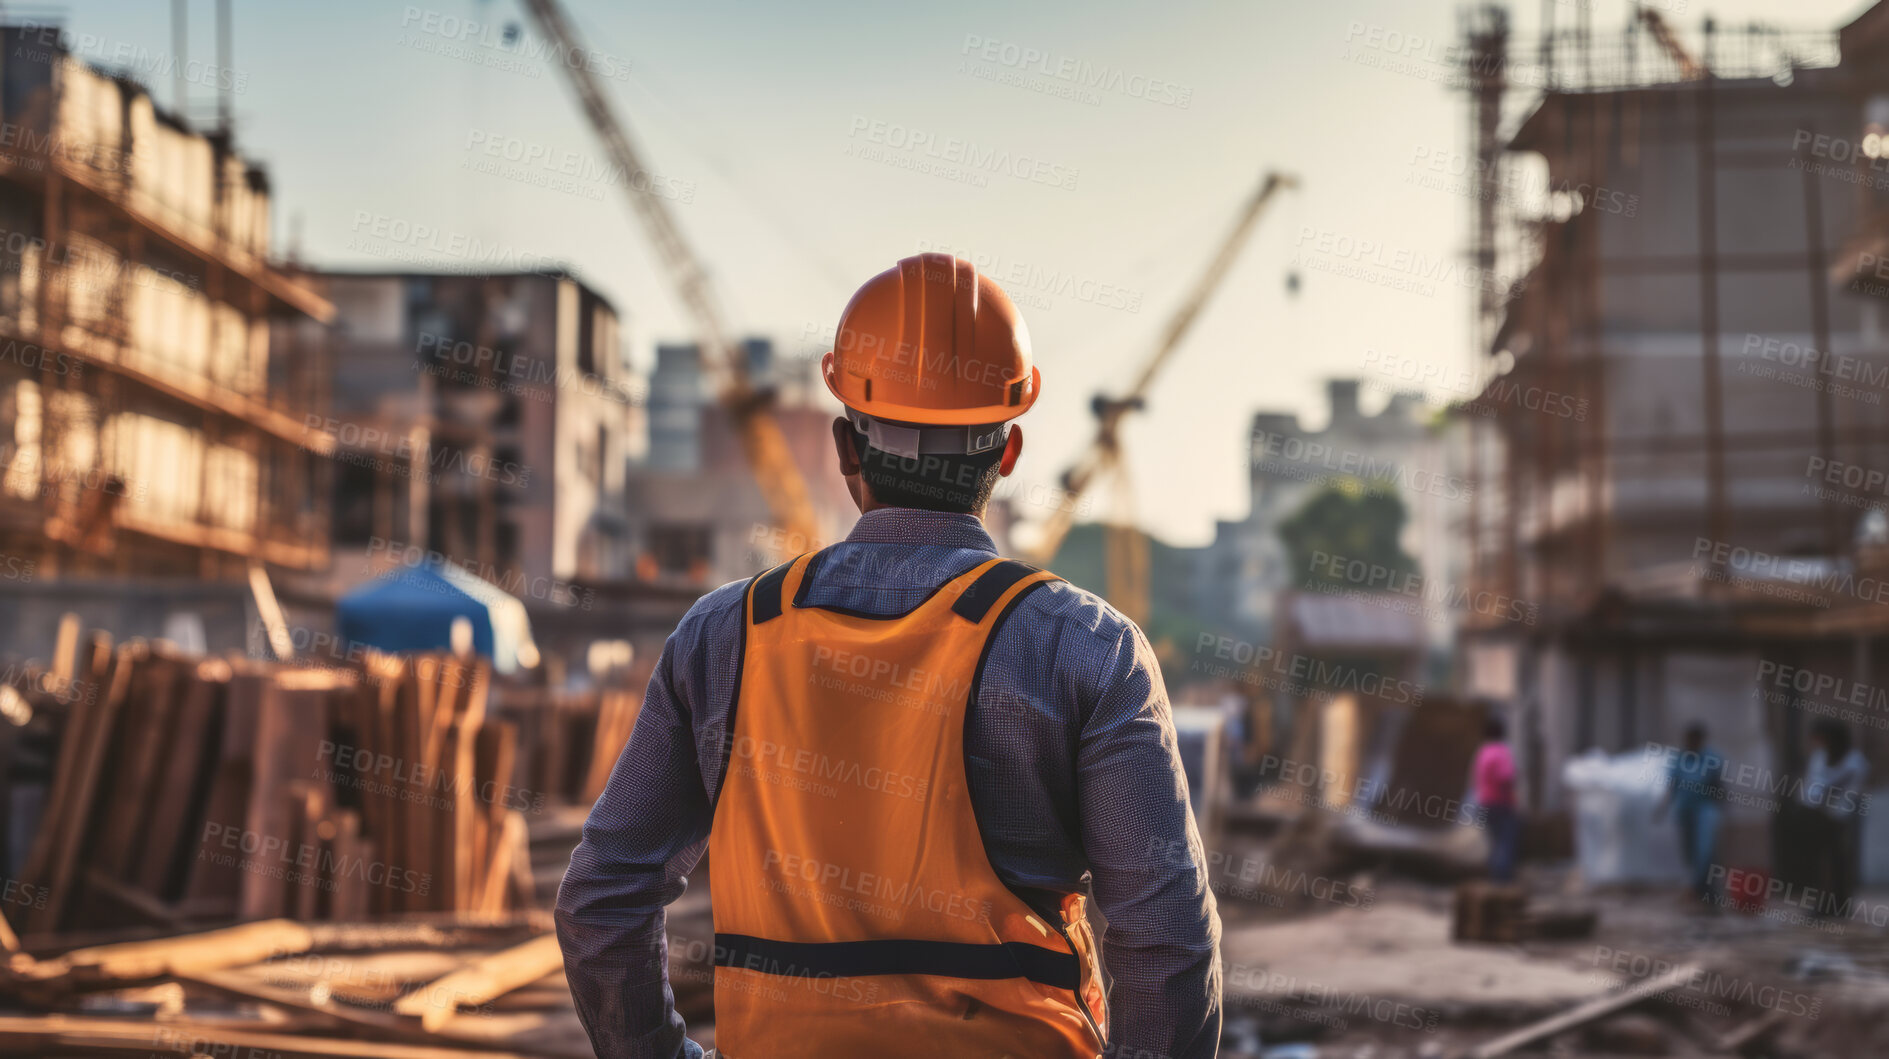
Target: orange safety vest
pixel 856 911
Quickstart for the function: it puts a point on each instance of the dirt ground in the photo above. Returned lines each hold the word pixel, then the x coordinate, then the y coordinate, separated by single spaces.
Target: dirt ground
pixel 1386 982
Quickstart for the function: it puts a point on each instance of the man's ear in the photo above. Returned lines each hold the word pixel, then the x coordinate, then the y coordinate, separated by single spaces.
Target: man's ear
pixel 1013 447
pixel 843 447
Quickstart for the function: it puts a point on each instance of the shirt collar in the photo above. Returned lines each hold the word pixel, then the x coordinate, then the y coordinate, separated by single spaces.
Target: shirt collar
pixel 910 525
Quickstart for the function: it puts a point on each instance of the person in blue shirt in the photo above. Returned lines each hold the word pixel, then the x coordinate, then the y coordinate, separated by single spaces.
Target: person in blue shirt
pixel 1695 787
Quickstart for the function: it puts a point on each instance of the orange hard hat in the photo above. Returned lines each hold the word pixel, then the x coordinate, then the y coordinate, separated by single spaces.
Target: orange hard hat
pixel 930 342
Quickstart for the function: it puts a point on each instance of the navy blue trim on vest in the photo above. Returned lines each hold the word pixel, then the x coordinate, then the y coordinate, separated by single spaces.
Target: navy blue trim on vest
pixel 976 601
pixel 767 593
pixel 862 959
pixel 807 576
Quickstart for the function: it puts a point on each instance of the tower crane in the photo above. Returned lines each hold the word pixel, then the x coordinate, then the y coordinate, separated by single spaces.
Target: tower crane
pixel 1126 548
pixel 1690 69
pixel 765 447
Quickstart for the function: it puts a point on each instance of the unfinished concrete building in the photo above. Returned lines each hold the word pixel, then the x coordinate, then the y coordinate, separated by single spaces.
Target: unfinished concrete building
pixel 485 418
pixel 161 379
pixel 1693 350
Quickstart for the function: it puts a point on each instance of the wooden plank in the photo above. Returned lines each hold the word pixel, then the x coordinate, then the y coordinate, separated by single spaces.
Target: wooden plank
pixel 484 980
pixel 454 840
pixel 351 898
pixel 65 832
pixel 382 812
pixel 179 954
pixel 511 844
pixel 418 818
pixel 523 886
pixel 497 796
pixel 304 879
pixel 292 722
pixel 138 749
pixel 177 800
pixel 141 904
pixel 616 718
pixel 215 885
pixel 381 1024
pixel 48 1034
pixel 65 652
pixel 1584 1013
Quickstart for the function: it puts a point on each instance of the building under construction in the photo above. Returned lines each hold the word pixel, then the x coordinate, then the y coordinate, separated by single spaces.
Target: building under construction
pixel 1677 385
pixel 161 379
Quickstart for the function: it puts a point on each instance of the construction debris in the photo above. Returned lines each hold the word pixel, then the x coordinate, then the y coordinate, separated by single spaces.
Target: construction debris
pixel 1586 1012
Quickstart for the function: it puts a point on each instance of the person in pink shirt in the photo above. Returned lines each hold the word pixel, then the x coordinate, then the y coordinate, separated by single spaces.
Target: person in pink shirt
pixel 1495 792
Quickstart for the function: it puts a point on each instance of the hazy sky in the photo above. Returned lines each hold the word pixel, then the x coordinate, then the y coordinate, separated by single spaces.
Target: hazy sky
pixel 794 138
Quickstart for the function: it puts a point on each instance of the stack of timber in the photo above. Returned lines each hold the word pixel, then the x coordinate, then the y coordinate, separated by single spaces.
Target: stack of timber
pixel 569 741
pixel 371 828
pixel 198 790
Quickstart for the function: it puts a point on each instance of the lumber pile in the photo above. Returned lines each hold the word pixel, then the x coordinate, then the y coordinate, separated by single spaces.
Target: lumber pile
pixel 569 741
pixel 368 828
pixel 443 987
pixel 188 789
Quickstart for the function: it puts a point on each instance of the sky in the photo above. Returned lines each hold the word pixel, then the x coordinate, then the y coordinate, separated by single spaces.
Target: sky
pixel 806 146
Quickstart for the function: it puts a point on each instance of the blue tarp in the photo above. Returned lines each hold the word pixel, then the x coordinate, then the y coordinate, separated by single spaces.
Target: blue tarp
pixel 413 608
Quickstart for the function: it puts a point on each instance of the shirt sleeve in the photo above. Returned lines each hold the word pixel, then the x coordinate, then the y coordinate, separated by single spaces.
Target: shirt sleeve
pixel 647 831
pixel 1148 866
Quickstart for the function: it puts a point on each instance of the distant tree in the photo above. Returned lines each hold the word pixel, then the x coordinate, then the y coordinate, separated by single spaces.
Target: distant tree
pixel 1347 518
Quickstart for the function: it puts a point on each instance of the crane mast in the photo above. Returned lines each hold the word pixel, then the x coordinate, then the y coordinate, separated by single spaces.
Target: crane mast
pixel 1127 559
pixel 762 442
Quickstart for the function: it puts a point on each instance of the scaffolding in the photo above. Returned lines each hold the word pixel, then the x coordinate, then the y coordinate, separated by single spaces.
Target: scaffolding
pixel 169 421
pixel 1548 505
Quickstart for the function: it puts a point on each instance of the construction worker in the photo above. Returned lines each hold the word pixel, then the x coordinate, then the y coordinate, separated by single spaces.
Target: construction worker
pixel 906 759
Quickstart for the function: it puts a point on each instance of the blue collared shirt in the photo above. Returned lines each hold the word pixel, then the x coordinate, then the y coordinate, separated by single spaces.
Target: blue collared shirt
pixel 1083 783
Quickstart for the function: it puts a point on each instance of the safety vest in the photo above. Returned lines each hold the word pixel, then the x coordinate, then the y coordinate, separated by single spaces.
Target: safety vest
pixel 856 911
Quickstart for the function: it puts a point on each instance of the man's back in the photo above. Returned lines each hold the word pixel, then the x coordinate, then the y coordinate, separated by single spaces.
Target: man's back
pixel 1069 756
